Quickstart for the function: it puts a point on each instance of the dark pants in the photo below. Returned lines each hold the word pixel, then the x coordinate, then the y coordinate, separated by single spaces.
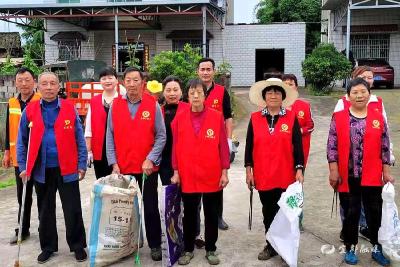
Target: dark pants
pixel 101 168
pixel 220 206
pixel 191 203
pixel 269 200
pixel 26 223
pixel 166 174
pixel 151 212
pixel 71 205
pixel 371 198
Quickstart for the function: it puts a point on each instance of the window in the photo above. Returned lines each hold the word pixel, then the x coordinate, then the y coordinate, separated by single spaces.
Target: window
pixel 370 46
pixel 69 50
pixel 177 45
pixel 68 1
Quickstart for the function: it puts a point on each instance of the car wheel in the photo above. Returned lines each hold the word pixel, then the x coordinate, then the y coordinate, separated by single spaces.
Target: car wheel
pixel 390 86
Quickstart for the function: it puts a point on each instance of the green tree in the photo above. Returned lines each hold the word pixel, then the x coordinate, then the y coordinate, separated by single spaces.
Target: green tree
pixel 33 34
pixel 324 66
pixel 268 11
pixel 30 64
pixel 179 63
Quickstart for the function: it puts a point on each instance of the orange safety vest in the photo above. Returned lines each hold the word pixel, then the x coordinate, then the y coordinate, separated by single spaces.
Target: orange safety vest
pixel 14 110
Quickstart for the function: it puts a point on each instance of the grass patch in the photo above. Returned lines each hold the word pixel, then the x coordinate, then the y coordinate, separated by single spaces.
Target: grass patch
pixel 7 183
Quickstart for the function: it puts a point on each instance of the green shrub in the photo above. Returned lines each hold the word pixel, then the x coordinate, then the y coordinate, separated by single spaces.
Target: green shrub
pixel 179 63
pixel 8 68
pixel 323 67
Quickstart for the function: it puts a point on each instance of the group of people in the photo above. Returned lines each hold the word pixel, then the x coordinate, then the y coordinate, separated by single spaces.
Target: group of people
pixel 189 144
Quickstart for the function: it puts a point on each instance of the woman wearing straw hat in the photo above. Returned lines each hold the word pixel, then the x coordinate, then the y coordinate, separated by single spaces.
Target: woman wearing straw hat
pixel 273 155
pixel 359 159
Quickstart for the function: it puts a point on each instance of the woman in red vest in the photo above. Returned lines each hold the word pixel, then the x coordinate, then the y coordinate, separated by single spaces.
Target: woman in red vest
pixel 96 122
pixel 375 102
pixel 359 158
pixel 273 155
pixel 173 105
pixel 200 160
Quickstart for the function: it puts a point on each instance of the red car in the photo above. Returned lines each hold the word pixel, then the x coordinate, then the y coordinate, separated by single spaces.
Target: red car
pixel 383 72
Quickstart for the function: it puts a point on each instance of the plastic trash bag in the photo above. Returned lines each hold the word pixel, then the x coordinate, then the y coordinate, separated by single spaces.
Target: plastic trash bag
pixel 115 219
pixel 389 232
pixel 171 213
pixel 284 232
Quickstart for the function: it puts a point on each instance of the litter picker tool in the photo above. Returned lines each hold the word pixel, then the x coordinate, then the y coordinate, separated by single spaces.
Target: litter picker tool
pixel 21 215
pixel 137 258
pixel 251 208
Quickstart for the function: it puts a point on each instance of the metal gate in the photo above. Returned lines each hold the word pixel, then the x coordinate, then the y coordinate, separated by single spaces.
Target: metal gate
pixel 370 46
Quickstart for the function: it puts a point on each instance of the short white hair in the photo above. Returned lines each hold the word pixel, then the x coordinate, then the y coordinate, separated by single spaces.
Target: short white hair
pixel 48 73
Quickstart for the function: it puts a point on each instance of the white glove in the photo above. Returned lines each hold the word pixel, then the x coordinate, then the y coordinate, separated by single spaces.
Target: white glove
pixel 230 145
pixel 89 159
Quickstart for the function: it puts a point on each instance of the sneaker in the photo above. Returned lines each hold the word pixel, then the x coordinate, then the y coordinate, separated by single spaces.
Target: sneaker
pixel 364 233
pixel 14 238
pixel 350 257
pixel 185 258
pixel 222 225
pixel 212 258
pixel 156 254
pixel 199 242
pixel 378 256
pixel 267 253
pixel 44 256
pixel 80 255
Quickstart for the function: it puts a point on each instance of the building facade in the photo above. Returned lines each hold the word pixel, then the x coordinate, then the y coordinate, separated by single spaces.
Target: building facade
pixel 93 29
pixel 374 29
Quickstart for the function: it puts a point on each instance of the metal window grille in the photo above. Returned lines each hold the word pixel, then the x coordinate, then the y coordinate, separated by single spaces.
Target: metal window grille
pixel 69 50
pixel 177 45
pixel 370 46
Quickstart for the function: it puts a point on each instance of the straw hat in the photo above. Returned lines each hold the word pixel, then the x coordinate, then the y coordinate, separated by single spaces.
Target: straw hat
pixel 255 93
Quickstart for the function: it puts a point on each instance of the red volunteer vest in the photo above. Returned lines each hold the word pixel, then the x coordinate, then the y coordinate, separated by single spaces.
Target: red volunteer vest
pixel 303 114
pixel 133 138
pixel 98 124
pixel 64 130
pixel 273 153
pixel 198 158
pixel 372 156
pixel 215 98
pixel 377 106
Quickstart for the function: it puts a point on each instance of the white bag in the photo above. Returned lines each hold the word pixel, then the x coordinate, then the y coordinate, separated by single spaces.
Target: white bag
pixel 284 232
pixel 389 232
pixel 115 219
pixel 171 213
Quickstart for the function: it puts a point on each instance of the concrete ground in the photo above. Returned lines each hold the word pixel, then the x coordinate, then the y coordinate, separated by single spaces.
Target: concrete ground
pixel 237 246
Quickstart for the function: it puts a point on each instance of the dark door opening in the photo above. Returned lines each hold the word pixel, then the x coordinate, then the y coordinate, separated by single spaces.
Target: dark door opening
pixel 269 61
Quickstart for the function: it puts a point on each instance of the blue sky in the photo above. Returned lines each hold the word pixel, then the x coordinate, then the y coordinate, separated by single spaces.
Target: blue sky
pixel 244 11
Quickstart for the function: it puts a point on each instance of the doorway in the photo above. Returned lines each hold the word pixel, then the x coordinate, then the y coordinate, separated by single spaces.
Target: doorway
pixel 269 61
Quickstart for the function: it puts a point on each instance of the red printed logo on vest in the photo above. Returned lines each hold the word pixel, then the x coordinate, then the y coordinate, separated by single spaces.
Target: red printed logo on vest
pixel 67 124
pixel 145 115
pixel 376 124
pixel 300 115
pixel 210 134
pixel 285 128
pixel 215 103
